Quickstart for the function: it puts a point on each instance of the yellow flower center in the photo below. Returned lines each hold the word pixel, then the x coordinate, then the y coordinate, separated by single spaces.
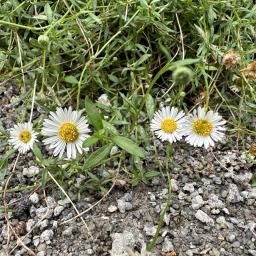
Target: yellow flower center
pixel 168 125
pixel 25 136
pixel 202 127
pixel 68 132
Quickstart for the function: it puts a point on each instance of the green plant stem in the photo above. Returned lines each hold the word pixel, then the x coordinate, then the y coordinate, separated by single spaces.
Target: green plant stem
pixel 169 198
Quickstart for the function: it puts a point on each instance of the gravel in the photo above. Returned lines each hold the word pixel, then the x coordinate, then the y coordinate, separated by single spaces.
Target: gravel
pixel 212 210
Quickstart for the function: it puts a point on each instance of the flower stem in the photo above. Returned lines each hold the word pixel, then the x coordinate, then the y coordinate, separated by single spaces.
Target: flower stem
pixel 169 152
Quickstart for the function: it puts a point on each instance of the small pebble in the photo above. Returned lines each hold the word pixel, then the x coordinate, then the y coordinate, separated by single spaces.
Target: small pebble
pixel 112 208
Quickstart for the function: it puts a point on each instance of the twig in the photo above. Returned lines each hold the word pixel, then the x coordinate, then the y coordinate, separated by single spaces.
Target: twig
pixel 33 101
pixel 181 37
pixel 64 192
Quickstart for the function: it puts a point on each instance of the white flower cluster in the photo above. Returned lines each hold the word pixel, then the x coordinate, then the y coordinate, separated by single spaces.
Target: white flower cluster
pixel 66 130
pixel 200 128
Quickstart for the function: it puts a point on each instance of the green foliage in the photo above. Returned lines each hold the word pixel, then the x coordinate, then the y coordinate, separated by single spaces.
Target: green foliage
pixel 128 145
pixel 4 163
pixel 97 157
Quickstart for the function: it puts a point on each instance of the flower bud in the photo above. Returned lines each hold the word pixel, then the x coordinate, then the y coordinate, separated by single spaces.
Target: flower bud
pixel 182 75
pixel 43 40
pixel 182 94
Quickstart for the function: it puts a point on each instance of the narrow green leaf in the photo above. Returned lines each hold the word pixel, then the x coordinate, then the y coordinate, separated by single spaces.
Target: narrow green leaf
pixel 70 80
pixel 3 163
pixel 44 177
pixel 93 114
pixel 95 18
pixel 93 176
pixel 253 180
pixel 128 145
pixel 90 141
pixel 109 127
pixel 48 12
pixel 150 106
pixel 97 157
pixel 151 174
pixel 36 150
pixel 142 59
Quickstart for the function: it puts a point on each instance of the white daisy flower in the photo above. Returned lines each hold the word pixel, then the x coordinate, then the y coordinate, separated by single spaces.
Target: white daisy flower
pixel 204 128
pixel 66 129
pixel 167 124
pixel 22 137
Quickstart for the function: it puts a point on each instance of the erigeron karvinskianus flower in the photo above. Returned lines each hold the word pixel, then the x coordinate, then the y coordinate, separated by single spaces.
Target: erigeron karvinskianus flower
pixel 204 128
pixel 67 130
pixel 22 137
pixel 167 124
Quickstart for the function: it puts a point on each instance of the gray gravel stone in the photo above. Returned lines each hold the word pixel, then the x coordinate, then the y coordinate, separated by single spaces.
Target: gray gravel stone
pixel 150 230
pixel 233 194
pixel 68 231
pixel 124 204
pixel 46 236
pixel 125 240
pixel 197 202
pixel 44 212
pixel 51 203
pixel 36 240
pixel 252 252
pixel 252 193
pixel 203 217
pixel 221 221
pixel 174 184
pixel 31 171
pixel 214 201
pixel 29 225
pixel 189 187
pixel 112 208
pixel 57 210
pixel 167 245
pixel 42 253
pixel 34 198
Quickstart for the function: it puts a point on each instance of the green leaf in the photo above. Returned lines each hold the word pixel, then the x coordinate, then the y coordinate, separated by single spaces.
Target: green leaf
pixel 36 150
pixel 253 180
pixel 93 114
pixel 109 127
pixel 93 176
pixel 97 157
pixel 113 78
pixel 44 177
pixel 3 163
pixel 150 106
pixel 151 174
pixel 142 59
pixel 95 18
pixel 48 12
pixel 128 145
pixel 70 80
pixel 90 141
pixel 180 63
